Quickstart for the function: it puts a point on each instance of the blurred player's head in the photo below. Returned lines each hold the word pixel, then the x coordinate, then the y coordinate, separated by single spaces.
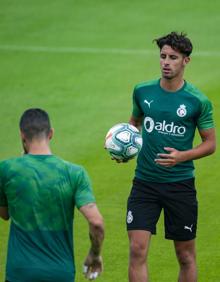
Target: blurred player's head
pixel 35 126
pixel 177 41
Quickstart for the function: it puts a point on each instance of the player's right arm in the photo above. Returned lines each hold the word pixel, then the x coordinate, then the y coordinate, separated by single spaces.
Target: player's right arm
pixel 137 115
pixel 136 121
pixel 93 265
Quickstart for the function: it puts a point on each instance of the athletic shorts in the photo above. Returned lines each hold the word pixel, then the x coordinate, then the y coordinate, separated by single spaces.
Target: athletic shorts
pixel 177 200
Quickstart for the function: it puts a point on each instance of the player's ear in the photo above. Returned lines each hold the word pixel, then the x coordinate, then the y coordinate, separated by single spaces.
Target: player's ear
pixel 22 136
pixel 24 143
pixel 186 60
pixel 51 133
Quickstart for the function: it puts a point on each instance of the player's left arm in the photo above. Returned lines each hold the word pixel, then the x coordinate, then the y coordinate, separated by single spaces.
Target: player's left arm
pixel 93 265
pixel 205 148
pixel 4 213
pixel 85 202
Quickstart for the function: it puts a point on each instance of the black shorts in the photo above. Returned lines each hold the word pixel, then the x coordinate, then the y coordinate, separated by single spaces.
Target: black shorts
pixel 178 201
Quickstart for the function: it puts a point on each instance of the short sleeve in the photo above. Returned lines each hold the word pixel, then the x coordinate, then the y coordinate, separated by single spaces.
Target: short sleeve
pixel 136 112
pixel 3 199
pixel 205 120
pixel 83 194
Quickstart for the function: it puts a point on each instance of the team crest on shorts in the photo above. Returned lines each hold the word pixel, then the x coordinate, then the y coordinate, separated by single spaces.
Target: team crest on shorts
pixel 129 217
pixel 181 111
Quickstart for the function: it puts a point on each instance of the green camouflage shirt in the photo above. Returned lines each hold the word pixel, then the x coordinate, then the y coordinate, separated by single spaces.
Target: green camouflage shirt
pixel 41 192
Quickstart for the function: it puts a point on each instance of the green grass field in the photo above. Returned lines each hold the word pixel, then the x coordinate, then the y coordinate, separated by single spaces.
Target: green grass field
pixel 80 60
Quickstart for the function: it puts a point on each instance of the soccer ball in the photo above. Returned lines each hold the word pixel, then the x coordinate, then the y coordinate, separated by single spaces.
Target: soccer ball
pixel 123 141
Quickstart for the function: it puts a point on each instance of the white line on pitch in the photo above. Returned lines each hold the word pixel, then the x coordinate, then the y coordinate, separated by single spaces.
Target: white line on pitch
pixel 85 50
pixel 88 50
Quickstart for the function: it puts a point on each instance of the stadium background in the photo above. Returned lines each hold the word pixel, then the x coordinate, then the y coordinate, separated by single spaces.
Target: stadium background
pixel 80 60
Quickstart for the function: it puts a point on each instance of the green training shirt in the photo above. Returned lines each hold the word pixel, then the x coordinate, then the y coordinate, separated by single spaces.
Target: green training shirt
pixel 41 192
pixel 169 120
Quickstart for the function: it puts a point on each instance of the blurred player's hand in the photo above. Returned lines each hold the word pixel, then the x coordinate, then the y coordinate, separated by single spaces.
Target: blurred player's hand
pixel 93 266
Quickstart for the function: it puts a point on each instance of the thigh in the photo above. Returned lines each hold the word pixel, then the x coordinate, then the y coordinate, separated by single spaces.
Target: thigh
pixel 143 207
pixel 180 210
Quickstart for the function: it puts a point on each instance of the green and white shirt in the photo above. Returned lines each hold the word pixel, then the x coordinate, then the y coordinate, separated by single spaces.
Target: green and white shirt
pixel 169 120
pixel 41 192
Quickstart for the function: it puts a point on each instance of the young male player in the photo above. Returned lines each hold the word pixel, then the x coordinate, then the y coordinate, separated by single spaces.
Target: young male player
pixel 38 192
pixel 169 111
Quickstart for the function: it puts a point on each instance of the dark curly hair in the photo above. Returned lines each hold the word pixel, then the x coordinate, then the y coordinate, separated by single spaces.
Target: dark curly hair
pixel 177 41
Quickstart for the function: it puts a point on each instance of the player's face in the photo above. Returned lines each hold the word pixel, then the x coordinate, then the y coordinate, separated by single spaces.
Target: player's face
pixel 172 62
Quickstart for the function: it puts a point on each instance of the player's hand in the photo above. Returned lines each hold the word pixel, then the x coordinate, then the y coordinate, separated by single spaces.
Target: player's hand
pixel 170 159
pixel 92 267
pixel 119 160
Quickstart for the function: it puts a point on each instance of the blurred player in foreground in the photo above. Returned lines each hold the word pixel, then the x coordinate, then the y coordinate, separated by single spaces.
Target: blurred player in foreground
pixel 169 110
pixel 38 192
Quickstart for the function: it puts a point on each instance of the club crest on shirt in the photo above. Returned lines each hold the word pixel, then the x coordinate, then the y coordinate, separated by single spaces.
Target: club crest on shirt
pixel 181 111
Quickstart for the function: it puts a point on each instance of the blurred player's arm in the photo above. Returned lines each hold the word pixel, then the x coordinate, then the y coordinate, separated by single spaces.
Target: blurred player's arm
pixel 4 213
pixel 205 148
pixel 136 121
pixel 93 265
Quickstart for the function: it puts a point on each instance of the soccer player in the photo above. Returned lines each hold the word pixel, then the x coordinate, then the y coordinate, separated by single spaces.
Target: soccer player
pixel 168 110
pixel 38 192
